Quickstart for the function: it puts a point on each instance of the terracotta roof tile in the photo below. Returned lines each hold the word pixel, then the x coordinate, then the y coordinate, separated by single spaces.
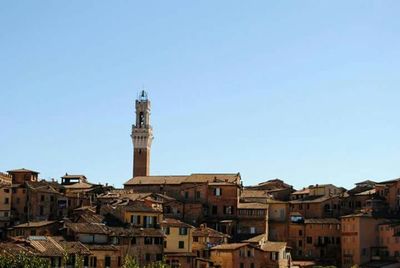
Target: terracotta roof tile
pixel 193 178
pixel 273 246
pixel 34 224
pixel 229 246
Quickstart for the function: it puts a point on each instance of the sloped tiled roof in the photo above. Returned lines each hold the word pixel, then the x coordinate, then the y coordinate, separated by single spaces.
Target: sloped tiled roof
pixel 303 191
pixel 229 246
pixel 22 170
pixel 123 231
pixel 312 199
pixel 255 239
pixel 254 193
pixel 193 178
pixel 46 246
pixel 72 246
pixel 42 186
pixel 88 228
pixel 140 206
pixel 175 223
pixel 34 224
pixel 145 180
pixel 214 178
pixel 208 232
pixel 90 217
pixel 273 246
pixel 79 185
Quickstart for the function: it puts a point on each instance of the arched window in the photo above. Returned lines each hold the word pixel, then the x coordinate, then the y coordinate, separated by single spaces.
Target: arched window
pixel 141 120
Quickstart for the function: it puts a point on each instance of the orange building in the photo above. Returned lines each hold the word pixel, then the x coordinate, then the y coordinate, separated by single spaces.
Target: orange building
pixel 316 239
pixel 5 203
pixel 315 206
pixel 359 236
pixel 240 255
pixel 390 191
pixel 210 198
pixel 252 220
pixel 204 238
pixel 389 241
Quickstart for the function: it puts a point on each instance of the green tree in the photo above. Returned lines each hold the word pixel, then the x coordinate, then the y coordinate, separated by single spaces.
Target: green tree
pixel 22 260
pixel 130 262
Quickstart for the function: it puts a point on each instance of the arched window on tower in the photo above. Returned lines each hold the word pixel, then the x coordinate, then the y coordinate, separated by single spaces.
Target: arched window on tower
pixel 141 120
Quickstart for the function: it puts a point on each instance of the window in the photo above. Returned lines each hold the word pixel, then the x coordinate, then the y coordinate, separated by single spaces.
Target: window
pixel 115 240
pixel 300 243
pixel 86 261
pixel 149 221
pixel 6 214
pixel 6 200
pixel 241 265
pixel 214 210
pixel 107 261
pixel 195 239
pixel 198 195
pixel 42 198
pixel 250 252
pixel 148 257
pixel 300 232
pixel 309 240
pixel 52 198
pixel 252 230
pixel 181 244
pixel 135 219
pixel 148 241
pixel 159 257
pixel 217 191
pixel 252 265
pixel 33 232
pixel 166 230
pixel 228 210
pixel 186 195
pixel 133 241
pixel 183 231
pixel 41 210
pixel 93 262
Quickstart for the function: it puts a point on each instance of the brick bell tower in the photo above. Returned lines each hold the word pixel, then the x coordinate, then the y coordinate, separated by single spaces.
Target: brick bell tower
pixel 142 136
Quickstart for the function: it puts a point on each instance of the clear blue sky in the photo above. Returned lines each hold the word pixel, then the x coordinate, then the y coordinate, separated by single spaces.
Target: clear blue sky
pixel 307 91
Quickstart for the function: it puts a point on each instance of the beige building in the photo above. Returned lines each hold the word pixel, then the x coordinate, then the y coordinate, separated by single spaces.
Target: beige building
pixel 178 243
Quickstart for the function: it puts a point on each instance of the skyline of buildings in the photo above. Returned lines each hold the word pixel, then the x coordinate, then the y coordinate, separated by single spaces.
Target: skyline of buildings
pixel 177 217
